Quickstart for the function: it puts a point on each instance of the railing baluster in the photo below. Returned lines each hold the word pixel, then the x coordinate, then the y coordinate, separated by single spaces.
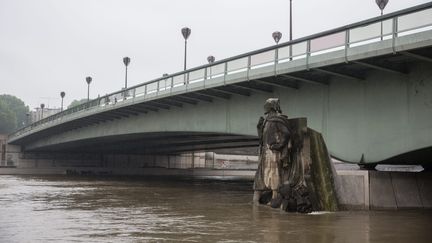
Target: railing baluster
pixel 394 33
pixel 205 77
pixel 308 53
pixel 347 44
pixel 249 61
pixel 225 72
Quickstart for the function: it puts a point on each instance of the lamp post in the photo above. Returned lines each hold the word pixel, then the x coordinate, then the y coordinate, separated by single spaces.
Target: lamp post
pixel 381 4
pixel 62 95
pixel 210 60
pixel 290 49
pixel 88 80
pixel 42 106
pixel 276 37
pixel 186 33
pixel 126 61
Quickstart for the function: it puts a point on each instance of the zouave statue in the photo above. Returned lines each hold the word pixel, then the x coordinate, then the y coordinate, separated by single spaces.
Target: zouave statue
pixel 279 180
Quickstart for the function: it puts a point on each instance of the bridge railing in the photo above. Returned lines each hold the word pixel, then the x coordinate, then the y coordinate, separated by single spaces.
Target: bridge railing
pixel 387 27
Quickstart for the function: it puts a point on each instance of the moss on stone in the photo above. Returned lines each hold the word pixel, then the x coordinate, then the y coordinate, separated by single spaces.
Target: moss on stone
pixel 321 173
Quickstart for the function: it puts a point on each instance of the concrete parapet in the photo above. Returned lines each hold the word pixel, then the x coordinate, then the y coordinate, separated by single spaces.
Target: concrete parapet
pixel 359 189
pixel 381 190
pixel 424 182
pixel 406 190
pixel 352 188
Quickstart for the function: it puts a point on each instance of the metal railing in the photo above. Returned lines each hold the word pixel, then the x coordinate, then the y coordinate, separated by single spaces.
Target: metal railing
pixel 404 22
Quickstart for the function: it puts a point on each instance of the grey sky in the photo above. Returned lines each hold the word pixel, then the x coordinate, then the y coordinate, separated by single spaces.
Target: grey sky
pixel 48 46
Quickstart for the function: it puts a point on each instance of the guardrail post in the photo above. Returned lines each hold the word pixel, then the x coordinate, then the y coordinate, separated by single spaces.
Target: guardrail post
pixel 347 43
pixel 276 59
pixel 205 77
pixel 249 61
pixel 145 91
pixel 394 33
pixel 187 80
pixel 225 72
pixel 308 52
pixel 172 84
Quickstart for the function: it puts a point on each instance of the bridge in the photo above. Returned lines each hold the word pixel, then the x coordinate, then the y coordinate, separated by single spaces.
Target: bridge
pixel 367 87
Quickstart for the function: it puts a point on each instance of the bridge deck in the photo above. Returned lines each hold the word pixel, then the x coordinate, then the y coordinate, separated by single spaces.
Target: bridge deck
pixel 349 53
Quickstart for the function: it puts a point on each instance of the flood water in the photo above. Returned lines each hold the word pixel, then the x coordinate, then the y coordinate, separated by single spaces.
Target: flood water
pixel 101 209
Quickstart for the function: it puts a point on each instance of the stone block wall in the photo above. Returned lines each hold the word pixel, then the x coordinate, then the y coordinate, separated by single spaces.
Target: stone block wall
pixel 378 190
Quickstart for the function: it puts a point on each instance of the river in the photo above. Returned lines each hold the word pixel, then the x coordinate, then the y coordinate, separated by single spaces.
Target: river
pixel 114 209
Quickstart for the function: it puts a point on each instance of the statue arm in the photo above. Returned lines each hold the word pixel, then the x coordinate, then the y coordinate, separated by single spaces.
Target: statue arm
pixel 284 137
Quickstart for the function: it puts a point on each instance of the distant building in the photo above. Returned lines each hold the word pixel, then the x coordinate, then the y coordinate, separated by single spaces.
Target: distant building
pixel 37 114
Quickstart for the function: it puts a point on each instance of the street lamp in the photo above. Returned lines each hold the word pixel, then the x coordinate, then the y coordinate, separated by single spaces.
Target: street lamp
pixel 277 36
pixel 88 80
pixel 381 4
pixel 62 95
pixel 42 106
pixel 186 33
pixel 126 61
pixel 210 60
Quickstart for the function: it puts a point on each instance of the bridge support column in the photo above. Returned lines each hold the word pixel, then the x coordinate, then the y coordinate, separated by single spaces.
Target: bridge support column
pixel 9 154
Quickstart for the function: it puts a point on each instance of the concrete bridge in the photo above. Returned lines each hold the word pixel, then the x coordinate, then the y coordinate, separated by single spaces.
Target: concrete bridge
pixel 370 95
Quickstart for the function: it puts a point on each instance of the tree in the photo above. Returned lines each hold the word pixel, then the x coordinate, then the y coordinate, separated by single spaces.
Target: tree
pixel 13 113
pixel 7 119
pixel 77 102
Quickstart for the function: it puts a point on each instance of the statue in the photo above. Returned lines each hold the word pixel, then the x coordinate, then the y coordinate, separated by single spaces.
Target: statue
pixel 279 180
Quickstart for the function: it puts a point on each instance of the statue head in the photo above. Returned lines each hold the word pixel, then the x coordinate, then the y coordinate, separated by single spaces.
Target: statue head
pixel 272 104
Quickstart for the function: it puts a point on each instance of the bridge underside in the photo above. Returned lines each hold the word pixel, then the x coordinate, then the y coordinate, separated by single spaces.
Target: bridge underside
pixel 157 143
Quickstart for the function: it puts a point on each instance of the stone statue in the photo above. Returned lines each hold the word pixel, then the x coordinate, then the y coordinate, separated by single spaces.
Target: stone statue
pixel 279 180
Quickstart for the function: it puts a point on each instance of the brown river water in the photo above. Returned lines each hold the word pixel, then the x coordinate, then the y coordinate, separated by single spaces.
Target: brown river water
pixel 104 209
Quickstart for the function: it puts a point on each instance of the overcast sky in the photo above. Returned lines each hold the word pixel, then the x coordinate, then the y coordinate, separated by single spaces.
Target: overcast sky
pixel 49 46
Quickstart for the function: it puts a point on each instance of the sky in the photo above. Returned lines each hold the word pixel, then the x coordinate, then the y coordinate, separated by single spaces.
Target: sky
pixel 49 46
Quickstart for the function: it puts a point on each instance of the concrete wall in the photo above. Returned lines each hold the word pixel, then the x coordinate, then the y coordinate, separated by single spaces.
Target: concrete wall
pixel 9 154
pixel 192 164
pixel 384 190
